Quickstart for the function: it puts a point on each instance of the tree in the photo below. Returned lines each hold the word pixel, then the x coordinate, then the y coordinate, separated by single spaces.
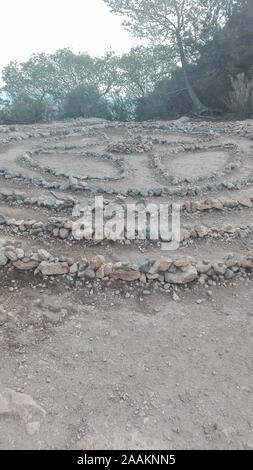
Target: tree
pixel 240 99
pixel 85 101
pixel 142 67
pixel 224 65
pixel 53 76
pixel 122 107
pixel 187 24
pixel 25 110
pixel 31 78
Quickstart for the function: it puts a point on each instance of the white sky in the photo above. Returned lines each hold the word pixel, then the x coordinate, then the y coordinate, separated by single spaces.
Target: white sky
pixel 29 26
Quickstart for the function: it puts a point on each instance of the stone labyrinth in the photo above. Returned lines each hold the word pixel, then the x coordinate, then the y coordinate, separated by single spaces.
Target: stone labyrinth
pixel 48 170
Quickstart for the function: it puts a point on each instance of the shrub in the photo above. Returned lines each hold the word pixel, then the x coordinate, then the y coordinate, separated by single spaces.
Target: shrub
pixel 122 108
pixel 166 101
pixel 25 110
pixel 240 99
pixel 85 101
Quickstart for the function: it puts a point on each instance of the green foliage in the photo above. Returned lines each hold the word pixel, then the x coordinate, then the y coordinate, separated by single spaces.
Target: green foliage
pixel 25 110
pixel 168 99
pixel 122 108
pixel 85 101
pixel 53 76
pixel 228 54
pixel 141 68
pixel 183 24
pixel 240 100
pixel 194 51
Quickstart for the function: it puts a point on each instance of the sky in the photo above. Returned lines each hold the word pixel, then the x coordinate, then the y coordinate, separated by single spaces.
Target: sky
pixel 29 26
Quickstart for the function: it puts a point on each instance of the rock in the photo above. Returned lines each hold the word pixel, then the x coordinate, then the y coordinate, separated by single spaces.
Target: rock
pixel 183 261
pixel 63 233
pixel 83 264
pixel 73 268
pixel 175 297
pixel 152 276
pixel 68 224
pixel 73 181
pixel 161 266
pixel 88 273
pixel 108 267
pixel 202 231
pixel 229 229
pixel 24 265
pixel 219 268
pixel 216 204
pixel 125 275
pixel 184 234
pixel 231 260
pixel 227 202
pixel 100 273
pixel 20 253
pixel 2 220
pixel 203 268
pixel 229 274
pixel 209 203
pixel 43 255
pixel 64 186
pixel 11 255
pixel 97 262
pixel 146 267
pixel 146 292
pixel 245 200
pixel 182 119
pixel 3 258
pixel 20 405
pixel 143 278
pixel 182 277
pixel 53 269
pixel 247 262
pixel 188 206
pixel 6 192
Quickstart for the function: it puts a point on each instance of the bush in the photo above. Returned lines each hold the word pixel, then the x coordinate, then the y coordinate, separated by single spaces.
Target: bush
pixel 240 99
pixel 25 110
pixel 122 108
pixel 166 101
pixel 85 101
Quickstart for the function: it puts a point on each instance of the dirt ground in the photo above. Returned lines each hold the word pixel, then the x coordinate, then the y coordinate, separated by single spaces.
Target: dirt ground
pixel 112 365
pixel 141 372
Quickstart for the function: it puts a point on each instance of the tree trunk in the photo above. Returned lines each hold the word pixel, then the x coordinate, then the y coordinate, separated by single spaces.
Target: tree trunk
pixel 198 105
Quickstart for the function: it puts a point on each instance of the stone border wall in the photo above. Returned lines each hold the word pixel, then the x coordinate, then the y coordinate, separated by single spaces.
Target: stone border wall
pixel 180 270
pixel 62 228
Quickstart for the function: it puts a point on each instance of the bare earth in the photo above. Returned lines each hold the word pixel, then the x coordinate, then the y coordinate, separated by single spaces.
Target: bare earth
pixel 92 364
